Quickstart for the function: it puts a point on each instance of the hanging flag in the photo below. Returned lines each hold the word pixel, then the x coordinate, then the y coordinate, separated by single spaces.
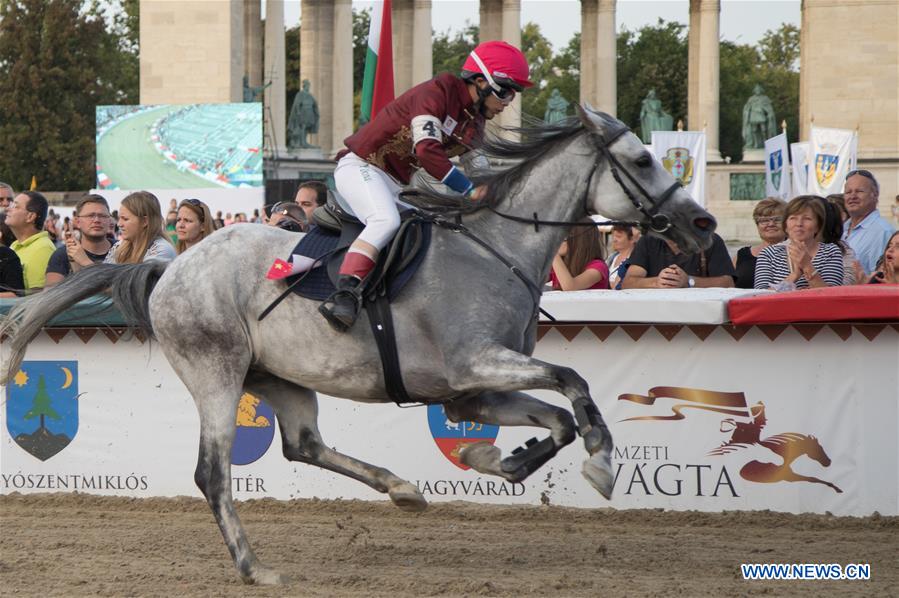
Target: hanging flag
pixel 33 183
pixel 377 81
pixel 777 167
pixel 830 158
pixel 799 152
pixel 682 153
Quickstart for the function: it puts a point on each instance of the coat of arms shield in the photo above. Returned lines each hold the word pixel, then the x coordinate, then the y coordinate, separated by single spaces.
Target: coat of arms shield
pixel 775 167
pixel 826 168
pixel 679 163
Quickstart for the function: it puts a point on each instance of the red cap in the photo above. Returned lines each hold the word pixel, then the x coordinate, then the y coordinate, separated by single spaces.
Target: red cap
pixel 502 64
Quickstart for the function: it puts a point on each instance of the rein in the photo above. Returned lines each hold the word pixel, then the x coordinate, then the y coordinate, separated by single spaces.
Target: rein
pixel 657 221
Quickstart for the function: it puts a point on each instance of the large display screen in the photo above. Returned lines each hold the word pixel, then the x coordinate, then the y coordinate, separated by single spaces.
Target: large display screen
pixel 179 146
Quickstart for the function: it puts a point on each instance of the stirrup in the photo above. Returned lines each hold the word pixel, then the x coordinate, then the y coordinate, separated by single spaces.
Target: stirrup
pixel 341 309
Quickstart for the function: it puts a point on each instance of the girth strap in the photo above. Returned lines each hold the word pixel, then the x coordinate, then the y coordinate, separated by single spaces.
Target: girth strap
pixel 381 320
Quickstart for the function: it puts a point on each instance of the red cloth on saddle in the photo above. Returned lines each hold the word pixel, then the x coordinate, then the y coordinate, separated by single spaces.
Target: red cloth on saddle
pixel 386 141
pixel 858 302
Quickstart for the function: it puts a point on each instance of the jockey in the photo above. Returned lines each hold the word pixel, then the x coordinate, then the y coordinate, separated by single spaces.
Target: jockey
pixel 423 128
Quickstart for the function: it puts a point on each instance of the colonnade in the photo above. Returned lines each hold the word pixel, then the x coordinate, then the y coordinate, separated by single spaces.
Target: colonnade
pixel 228 44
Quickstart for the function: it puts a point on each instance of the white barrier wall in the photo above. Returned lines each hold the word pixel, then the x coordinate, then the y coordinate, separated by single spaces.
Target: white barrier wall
pixel 797 418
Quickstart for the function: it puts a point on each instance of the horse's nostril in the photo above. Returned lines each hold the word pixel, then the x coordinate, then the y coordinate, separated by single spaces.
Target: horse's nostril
pixel 702 223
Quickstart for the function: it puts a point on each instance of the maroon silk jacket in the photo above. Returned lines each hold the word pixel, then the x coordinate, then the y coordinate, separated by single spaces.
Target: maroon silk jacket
pixel 386 141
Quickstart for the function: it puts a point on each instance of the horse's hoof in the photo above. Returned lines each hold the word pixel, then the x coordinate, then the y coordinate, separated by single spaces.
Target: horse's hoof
pixel 598 471
pixel 408 498
pixel 482 457
pixel 264 576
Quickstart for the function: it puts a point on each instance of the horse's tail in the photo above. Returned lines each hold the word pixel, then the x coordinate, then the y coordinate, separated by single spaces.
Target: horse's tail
pixel 130 286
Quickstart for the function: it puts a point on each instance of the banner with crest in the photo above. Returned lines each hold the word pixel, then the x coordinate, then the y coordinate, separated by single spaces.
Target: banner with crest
pixel 777 168
pixel 831 156
pixel 799 152
pixel 682 153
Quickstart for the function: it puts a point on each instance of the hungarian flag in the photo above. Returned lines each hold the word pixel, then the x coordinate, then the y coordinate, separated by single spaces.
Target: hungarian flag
pixel 377 82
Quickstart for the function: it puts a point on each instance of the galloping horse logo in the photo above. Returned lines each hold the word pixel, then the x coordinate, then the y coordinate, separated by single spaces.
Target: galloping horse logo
pixel 789 446
pixel 746 425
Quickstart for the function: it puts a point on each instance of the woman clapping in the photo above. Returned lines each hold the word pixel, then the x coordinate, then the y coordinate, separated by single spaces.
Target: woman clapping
pixel 802 261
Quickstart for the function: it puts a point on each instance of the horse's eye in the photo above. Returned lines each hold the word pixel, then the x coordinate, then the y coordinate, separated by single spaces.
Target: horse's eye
pixel 644 161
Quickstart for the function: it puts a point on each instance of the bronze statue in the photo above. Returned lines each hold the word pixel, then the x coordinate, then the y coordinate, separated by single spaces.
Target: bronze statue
pixel 556 107
pixel 303 119
pixel 758 120
pixel 653 118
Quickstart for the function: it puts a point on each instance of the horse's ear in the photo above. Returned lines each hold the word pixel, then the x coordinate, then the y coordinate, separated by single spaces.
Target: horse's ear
pixel 588 117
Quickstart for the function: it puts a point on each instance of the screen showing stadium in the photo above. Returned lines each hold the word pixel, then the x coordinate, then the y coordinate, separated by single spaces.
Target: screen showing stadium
pixel 179 146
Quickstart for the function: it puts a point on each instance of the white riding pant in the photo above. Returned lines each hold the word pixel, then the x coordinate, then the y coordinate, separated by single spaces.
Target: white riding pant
pixel 373 196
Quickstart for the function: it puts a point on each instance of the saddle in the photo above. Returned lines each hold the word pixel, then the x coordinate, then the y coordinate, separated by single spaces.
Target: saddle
pixel 336 227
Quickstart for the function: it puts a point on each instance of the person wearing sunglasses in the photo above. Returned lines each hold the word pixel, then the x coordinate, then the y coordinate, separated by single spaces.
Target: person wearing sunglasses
pixel 866 231
pixel 423 128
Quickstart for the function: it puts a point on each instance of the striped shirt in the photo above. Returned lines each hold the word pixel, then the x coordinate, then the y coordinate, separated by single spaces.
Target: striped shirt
pixel 773 266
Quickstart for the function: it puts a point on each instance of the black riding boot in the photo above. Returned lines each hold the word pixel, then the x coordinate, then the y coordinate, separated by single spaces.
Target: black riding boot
pixel 342 307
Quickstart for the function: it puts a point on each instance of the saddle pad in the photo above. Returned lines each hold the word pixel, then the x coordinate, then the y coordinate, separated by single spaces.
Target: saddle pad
pixel 319 242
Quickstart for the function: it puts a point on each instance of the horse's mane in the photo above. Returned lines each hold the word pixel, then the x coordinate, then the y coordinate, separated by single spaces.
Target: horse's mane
pixel 534 142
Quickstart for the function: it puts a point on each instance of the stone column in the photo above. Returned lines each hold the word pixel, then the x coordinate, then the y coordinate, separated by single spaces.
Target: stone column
pixel 511 116
pixel 403 34
pixel 178 66
pixel 589 23
pixel 412 50
pixel 316 43
pixel 501 20
pixel 703 75
pixel 274 110
pixel 342 76
pixel 422 48
pixel 491 19
pixel 606 58
pixel 252 41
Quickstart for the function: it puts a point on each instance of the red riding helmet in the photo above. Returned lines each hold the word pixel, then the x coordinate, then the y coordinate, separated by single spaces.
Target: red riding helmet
pixel 502 64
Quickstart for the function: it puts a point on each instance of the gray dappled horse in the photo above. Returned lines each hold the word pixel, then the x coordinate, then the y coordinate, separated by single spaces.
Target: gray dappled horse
pixel 465 325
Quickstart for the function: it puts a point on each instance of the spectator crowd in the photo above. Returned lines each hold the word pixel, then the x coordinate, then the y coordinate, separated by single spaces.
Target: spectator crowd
pixel 38 248
pixel 809 242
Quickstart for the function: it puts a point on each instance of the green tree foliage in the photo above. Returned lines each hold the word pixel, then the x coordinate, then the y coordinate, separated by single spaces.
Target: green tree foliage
pixel 60 59
pixel 292 68
pixel 120 46
pixel 539 52
pixel 655 57
pixel 449 51
pixel 41 406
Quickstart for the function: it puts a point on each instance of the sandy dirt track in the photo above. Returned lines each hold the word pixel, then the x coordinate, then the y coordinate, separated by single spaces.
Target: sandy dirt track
pixel 81 545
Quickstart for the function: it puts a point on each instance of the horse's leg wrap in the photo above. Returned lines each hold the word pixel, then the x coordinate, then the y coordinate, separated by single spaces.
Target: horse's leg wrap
pixel 590 425
pixel 526 460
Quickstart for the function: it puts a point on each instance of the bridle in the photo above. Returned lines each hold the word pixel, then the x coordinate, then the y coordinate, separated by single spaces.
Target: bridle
pixel 656 220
